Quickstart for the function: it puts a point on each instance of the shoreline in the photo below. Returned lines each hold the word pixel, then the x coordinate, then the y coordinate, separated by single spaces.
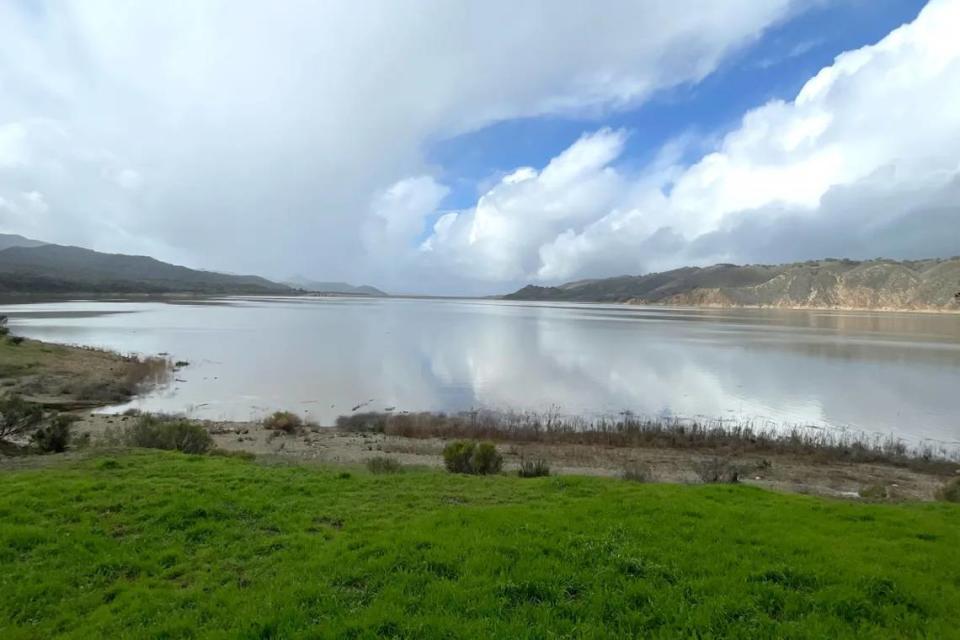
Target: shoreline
pixel 80 381
pixel 13 298
pixel 781 471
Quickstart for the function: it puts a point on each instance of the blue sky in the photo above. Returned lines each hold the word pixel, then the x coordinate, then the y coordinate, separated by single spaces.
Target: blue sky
pixel 776 66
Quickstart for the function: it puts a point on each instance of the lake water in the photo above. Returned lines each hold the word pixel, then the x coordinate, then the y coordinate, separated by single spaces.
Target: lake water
pixel 886 373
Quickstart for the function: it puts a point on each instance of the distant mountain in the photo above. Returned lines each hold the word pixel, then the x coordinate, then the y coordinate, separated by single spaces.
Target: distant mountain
pixel 8 240
pixel 873 284
pixel 34 267
pixel 333 287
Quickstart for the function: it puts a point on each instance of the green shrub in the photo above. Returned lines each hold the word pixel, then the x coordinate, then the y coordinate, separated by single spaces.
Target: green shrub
pixel 367 422
pixel 457 456
pixel 486 459
pixel 534 468
pixel 54 436
pixel 637 472
pixel 284 421
pixel 4 329
pixel 14 340
pixel 384 464
pixel 950 491
pixel 464 456
pixel 162 432
pixel 17 416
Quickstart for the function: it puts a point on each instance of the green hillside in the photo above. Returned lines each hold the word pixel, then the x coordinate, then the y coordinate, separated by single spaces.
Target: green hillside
pixel 50 268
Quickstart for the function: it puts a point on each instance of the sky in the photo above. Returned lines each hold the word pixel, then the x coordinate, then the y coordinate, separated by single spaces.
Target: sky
pixel 452 147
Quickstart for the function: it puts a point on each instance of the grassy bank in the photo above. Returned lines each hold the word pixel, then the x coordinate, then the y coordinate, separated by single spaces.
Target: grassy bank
pixel 67 377
pixel 156 544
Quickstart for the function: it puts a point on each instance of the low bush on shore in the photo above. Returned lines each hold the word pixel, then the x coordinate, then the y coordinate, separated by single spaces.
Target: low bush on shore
pixel 533 468
pixel 152 544
pixel 384 464
pixel 56 435
pixel 632 431
pixel 283 421
pixel 172 433
pixel 951 491
pixel 477 458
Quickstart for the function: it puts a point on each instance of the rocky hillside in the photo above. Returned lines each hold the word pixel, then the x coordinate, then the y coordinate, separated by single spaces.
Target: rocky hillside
pixel 873 284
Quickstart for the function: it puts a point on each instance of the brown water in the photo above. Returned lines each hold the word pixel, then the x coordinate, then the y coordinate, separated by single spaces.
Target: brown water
pixel 888 373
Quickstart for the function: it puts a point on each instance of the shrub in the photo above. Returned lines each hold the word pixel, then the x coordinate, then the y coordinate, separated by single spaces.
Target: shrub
pixel 284 421
pixel 161 432
pixel 17 416
pixel 54 436
pixel 457 456
pixel 14 340
pixel 714 470
pixel 950 491
pixel 486 459
pixel 637 472
pixel 464 456
pixel 368 422
pixel 384 464
pixel 534 468
pixel 4 329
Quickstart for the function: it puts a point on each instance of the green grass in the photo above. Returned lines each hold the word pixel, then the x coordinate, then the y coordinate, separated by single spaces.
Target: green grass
pixel 166 545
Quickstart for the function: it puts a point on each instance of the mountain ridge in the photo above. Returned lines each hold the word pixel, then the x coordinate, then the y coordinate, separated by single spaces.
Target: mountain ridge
pixel 881 284
pixel 35 267
pixel 316 286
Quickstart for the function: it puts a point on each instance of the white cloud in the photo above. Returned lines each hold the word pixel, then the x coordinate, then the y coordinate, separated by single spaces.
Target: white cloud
pixel 865 160
pixel 398 214
pixel 258 132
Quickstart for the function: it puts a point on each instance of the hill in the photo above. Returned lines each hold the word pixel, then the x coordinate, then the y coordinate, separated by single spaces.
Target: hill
pixel 9 240
pixel 316 286
pixel 874 284
pixel 51 268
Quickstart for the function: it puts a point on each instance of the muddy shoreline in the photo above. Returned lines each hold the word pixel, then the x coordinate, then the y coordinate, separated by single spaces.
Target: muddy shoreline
pixel 775 471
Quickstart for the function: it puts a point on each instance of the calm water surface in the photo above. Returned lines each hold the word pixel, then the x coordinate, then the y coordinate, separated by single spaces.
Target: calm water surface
pixel 877 372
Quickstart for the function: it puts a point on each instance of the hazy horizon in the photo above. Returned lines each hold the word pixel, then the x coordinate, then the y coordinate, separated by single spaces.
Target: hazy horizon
pixel 450 148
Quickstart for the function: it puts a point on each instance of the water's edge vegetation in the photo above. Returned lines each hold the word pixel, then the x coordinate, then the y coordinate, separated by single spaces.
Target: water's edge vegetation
pixel 628 430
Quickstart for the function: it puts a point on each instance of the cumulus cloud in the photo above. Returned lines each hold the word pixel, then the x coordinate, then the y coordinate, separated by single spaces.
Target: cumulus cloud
pixel 252 136
pixel 864 161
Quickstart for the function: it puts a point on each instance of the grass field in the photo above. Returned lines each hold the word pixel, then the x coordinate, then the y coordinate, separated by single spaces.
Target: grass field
pixel 165 545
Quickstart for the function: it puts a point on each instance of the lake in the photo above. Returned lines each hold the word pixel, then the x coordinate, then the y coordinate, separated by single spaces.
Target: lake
pixel 887 373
